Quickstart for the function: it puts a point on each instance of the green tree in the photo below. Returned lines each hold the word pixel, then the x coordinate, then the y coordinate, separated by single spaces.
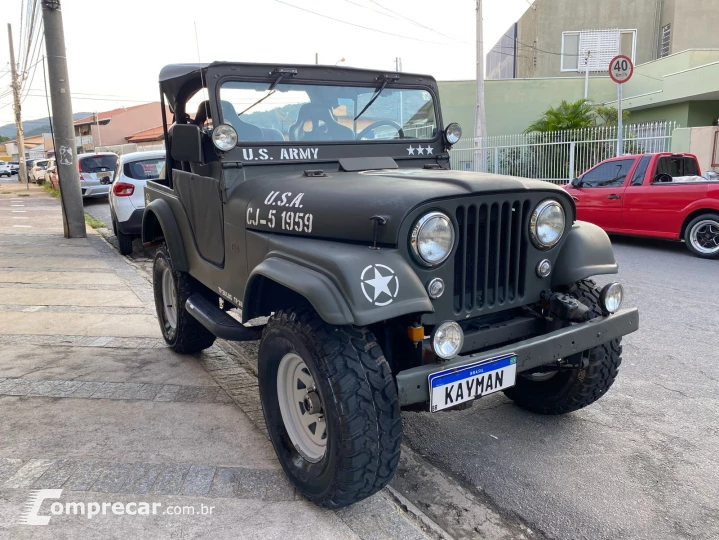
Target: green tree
pixel 609 115
pixel 4 139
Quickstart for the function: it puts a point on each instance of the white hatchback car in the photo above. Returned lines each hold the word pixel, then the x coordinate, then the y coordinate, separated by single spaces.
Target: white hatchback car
pixel 127 196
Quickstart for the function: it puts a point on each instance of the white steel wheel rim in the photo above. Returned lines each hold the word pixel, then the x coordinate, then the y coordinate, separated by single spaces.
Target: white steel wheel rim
pixel 168 297
pixel 307 431
pixel 704 237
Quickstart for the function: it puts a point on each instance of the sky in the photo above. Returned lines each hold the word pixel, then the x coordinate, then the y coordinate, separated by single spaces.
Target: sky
pixel 115 50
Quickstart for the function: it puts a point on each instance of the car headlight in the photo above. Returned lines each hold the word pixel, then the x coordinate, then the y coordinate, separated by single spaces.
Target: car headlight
pixel 432 238
pixel 610 297
pixel 453 133
pixel 448 340
pixel 224 137
pixel 546 225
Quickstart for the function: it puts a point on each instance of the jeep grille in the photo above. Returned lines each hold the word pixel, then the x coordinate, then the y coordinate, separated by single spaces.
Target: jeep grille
pixel 491 258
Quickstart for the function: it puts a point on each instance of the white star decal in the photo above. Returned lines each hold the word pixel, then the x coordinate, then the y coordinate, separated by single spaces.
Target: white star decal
pixel 410 151
pixel 420 150
pixel 429 149
pixel 384 284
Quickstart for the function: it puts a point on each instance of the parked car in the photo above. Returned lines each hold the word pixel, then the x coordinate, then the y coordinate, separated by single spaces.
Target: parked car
pixel 5 169
pixel 15 167
pixel 388 279
pixel 51 173
pixel 96 173
pixel 127 196
pixel 36 171
pixel 661 195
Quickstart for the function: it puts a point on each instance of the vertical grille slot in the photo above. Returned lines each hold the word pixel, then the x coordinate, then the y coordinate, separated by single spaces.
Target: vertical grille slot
pixel 491 255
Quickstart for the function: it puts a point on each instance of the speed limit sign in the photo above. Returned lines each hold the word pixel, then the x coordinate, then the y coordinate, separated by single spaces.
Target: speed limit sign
pixel 621 69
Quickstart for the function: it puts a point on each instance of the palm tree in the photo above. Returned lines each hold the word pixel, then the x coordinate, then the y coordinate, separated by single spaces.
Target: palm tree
pixel 577 115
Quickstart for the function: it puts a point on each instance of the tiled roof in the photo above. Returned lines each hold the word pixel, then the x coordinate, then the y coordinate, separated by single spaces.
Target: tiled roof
pixel 151 134
pixel 109 114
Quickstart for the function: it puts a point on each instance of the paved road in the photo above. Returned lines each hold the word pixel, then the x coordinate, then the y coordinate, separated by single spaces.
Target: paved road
pixel 642 463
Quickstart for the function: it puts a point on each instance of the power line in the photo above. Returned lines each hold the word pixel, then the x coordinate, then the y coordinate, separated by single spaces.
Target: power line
pixel 360 26
pixel 417 23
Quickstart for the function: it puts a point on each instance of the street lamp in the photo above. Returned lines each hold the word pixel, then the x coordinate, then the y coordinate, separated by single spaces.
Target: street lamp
pixel 340 60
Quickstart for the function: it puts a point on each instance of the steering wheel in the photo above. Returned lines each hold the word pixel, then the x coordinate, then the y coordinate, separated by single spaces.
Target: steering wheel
pixel 662 178
pixel 374 125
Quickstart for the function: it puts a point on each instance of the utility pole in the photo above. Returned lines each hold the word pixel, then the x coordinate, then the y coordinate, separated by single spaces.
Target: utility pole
pixel 480 127
pixel 22 173
pixel 586 74
pixel 317 58
pixel 73 213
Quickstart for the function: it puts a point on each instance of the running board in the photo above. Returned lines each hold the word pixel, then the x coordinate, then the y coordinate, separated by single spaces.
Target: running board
pixel 218 322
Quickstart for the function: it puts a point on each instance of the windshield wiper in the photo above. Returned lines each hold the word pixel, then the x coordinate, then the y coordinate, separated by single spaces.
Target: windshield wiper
pixel 281 73
pixel 385 82
pixel 268 94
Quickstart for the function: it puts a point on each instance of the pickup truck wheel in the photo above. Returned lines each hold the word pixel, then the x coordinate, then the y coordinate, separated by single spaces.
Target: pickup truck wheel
pixel 182 332
pixel 567 391
pixel 702 236
pixel 331 407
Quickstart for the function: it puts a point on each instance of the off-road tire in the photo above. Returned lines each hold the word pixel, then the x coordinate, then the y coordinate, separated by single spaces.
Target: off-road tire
pixel 124 241
pixel 189 336
pixel 570 390
pixel 360 403
pixel 688 232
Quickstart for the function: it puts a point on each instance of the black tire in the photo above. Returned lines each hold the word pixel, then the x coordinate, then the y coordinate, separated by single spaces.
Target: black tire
pixel 124 241
pixel 692 244
pixel 188 336
pixel 568 391
pixel 359 402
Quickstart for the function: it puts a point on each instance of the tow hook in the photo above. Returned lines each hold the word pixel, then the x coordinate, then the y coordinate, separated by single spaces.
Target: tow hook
pixel 565 307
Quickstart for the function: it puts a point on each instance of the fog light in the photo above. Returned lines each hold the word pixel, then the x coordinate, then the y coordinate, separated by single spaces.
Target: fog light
pixel 435 288
pixel 448 340
pixel 544 268
pixel 611 296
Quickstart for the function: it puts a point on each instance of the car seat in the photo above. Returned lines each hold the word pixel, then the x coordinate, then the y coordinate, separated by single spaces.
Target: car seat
pixel 329 130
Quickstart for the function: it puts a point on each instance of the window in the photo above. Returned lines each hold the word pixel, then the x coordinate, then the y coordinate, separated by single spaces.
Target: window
pixel 666 41
pixel 610 174
pixel 147 169
pixel 638 176
pixel 594 49
pixel 97 163
pixel 676 166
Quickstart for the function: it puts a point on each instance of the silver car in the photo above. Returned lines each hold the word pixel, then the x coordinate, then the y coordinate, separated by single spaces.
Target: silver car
pixel 96 173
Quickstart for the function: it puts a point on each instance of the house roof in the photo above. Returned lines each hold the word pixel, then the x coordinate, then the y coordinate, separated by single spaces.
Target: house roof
pixel 146 135
pixel 107 115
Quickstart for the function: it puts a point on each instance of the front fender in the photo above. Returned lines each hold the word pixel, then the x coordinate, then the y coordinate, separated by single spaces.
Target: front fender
pixel 587 251
pixel 159 222
pixel 337 279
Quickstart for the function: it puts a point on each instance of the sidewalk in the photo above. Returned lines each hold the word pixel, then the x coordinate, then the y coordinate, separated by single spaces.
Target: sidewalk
pixel 93 403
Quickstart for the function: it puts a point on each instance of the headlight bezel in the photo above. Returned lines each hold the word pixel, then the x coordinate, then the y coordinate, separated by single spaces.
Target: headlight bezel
pixel 416 230
pixel 434 340
pixel 534 220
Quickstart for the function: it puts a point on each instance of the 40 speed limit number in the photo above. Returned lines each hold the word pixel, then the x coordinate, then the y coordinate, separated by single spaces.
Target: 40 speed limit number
pixel 286 220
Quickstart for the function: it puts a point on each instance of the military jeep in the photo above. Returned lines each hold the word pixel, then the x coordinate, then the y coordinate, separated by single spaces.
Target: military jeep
pixel 319 204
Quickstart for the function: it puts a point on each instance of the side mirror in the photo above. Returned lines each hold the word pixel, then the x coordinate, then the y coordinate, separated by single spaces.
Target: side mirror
pixel 186 143
pixel 576 182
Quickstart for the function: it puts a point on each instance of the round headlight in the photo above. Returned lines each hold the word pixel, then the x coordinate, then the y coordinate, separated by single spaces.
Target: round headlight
pixel 546 225
pixel 611 296
pixel 224 137
pixel 453 133
pixel 432 238
pixel 448 340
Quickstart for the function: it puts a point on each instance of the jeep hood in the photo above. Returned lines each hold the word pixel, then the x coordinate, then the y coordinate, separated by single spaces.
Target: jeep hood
pixel 342 204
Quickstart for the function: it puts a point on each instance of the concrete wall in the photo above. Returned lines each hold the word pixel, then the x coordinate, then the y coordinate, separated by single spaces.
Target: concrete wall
pixel 694 23
pixel 549 18
pixel 698 141
pixel 128 123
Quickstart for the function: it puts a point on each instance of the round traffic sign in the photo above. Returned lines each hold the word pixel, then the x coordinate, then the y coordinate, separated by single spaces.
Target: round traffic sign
pixel 621 69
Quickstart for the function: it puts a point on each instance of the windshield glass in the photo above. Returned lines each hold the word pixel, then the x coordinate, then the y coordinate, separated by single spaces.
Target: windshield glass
pixel 304 112
pixel 98 163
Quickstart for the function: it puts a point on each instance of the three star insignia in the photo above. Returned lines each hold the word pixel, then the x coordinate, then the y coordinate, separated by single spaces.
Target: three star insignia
pixel 421 150
pixel 380 285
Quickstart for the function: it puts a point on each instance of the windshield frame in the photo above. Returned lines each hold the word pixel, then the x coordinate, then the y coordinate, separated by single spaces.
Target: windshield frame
pixel 318 82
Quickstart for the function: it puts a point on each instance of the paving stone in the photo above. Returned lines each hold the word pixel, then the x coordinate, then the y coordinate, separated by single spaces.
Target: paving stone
pixel 167 392
pixel 86 389
pixel 56 475
pixel 85 475
pixel 142 477
pixel 9 467
pixel 106 391
pixel 26 475
pixel 196 394
pixel 20 388
pixel 54 388
pixel 113 478
pixel 171 479
pixel 253 484
pixel 127 390
pixel 223 397
pixel 279 487
pixel 148 391
pixel 226 482
pixel 198 480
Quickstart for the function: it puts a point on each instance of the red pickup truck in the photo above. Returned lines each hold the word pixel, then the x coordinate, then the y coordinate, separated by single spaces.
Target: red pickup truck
pixel 662 195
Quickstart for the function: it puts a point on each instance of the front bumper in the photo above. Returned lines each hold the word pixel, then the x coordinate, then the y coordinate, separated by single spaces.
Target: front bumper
pixel 413 383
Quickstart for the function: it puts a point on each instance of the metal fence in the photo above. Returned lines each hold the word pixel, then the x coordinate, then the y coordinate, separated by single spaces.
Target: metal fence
pixel 557 156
